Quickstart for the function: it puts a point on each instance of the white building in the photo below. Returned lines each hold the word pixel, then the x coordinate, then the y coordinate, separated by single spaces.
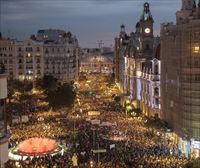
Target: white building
pixel 28 58
pixel 135 63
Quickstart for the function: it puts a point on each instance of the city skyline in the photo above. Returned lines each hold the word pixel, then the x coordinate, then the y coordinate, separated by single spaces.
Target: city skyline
pixel 90 20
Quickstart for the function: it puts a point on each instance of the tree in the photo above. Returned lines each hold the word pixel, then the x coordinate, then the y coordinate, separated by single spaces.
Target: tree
pixel 48 83
pixel 62 96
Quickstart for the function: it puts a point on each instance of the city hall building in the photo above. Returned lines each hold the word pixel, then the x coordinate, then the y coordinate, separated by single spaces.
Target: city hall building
pixel 51 52
pixel 137 65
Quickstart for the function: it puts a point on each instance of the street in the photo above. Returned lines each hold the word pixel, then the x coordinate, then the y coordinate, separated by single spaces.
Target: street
pixel 96 132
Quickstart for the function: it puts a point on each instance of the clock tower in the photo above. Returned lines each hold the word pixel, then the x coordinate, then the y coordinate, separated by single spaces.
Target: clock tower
pixel 146 32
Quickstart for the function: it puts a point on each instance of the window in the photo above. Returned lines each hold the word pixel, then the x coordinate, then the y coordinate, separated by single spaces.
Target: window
pixel 156 91
pixel 29 49
pixel 156 69
pixel 157 101
pixel 197 78
pixel 46 51
pixel 147 47
pixel 196 49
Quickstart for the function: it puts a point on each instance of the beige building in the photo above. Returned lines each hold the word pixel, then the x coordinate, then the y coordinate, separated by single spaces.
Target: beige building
pixel 137 69
pixel 28 59
pixel 51 52
pixel 7 56
pixel 3 124
pixel 180 79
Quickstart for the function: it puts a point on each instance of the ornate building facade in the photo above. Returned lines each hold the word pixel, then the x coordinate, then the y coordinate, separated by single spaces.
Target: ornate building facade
pixel 180 80
pixel 51 52
pixel 137 67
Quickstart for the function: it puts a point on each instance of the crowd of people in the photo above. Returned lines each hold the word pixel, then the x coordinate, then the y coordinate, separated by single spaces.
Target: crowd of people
pixel 122 142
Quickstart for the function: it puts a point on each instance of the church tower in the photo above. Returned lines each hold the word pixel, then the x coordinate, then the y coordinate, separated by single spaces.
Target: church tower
pixel 122 31
pixel 146 32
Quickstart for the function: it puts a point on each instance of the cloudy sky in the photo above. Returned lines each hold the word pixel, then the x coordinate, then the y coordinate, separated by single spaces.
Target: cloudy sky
pixel 89 20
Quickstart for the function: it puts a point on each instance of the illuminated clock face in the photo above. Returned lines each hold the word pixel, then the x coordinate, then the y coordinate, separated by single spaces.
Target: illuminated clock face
pixel 147 30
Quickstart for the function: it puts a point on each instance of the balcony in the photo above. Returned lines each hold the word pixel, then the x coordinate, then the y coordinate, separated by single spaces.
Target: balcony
pixel 29 62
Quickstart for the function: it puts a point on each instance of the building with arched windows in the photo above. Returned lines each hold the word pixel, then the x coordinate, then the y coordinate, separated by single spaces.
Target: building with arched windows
pixel 50 52
pixel 137 65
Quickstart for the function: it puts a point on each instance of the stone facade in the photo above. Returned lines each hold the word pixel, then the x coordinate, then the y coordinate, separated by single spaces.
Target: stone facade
pixel 135 61
pixel 51 52
pixel 180 79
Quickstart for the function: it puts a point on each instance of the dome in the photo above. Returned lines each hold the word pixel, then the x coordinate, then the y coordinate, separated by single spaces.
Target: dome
pixel 122 26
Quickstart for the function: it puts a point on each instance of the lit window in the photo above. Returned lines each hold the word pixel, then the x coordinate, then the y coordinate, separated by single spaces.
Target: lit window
pixel 29 54
pixel 196 49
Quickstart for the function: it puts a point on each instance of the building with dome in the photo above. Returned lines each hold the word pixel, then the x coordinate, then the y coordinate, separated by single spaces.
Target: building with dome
pixel 180 79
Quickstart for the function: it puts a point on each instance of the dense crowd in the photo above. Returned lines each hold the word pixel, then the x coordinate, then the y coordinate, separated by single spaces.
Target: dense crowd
pixel 127 141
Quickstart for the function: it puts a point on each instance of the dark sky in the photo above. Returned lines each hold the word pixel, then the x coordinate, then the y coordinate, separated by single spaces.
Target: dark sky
pixel 89 20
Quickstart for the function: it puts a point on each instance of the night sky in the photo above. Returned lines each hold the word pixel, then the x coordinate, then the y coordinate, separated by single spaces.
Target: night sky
pixel 89 20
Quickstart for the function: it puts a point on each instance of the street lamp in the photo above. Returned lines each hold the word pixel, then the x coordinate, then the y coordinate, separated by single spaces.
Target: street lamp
pixel 91 163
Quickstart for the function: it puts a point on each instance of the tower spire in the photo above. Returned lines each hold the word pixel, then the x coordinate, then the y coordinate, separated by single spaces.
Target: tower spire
pixel 146 15
pixel 122 28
